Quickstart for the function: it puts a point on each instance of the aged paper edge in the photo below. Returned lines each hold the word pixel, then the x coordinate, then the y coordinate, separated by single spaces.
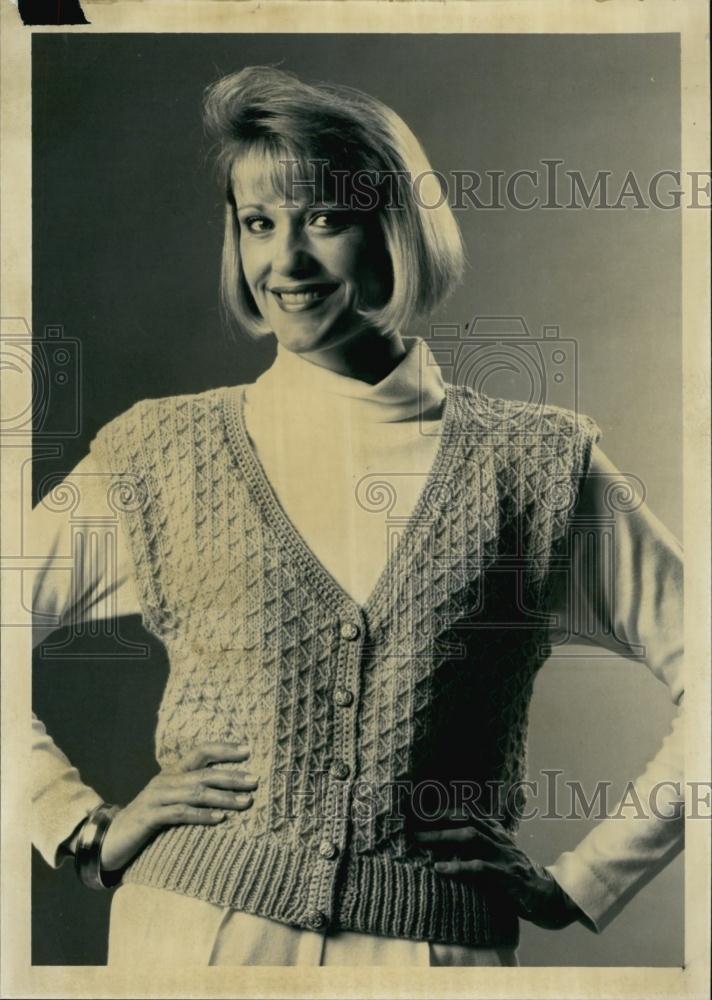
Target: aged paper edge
pixel 689 19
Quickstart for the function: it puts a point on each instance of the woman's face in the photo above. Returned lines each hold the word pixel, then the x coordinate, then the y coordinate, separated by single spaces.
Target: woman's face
pixel 307 266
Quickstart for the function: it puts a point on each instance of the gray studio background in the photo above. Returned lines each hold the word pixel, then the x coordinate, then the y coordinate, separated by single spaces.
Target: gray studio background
pixel 126 245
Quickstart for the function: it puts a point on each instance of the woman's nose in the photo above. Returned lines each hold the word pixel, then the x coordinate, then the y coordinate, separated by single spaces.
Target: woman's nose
pixel 291 254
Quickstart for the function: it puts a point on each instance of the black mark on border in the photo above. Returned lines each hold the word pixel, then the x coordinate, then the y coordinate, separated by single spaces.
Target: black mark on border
pixel 51 12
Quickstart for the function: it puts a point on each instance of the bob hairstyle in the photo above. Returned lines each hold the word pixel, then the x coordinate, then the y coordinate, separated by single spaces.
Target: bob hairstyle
pixel 271 117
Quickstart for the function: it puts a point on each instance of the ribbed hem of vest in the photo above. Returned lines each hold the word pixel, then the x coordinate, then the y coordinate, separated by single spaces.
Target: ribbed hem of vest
pixel 372 894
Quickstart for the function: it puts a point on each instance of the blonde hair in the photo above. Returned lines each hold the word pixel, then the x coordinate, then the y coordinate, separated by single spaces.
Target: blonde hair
pixel 271 114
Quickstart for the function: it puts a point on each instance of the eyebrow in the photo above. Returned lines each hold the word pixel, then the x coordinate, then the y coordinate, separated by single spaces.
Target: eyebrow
pixel 324 206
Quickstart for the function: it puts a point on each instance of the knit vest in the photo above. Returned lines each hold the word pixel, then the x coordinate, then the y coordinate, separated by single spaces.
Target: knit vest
pixel 365 722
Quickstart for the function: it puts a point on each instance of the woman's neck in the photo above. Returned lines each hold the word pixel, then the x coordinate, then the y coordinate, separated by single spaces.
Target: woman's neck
pixel 369 357
pixel 293 390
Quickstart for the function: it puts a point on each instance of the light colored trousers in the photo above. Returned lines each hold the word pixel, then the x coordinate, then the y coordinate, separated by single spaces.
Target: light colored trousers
pixel 151 927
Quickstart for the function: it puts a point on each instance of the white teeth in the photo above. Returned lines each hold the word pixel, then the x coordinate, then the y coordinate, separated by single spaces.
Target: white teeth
pixel 299 297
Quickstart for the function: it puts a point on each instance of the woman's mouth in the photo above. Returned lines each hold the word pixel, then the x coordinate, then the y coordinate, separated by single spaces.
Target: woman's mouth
pixel 301 297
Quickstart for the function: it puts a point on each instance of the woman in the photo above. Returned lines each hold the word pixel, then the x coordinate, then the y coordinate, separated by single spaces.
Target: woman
pixel 326 678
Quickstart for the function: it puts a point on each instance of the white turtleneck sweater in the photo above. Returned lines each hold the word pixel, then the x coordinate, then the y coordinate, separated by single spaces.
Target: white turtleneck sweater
pixel 334 448
pixel 346 437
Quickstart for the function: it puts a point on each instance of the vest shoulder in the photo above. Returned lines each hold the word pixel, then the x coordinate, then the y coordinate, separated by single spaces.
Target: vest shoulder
pixel 512 418
pixel 179 406
pixel 161 417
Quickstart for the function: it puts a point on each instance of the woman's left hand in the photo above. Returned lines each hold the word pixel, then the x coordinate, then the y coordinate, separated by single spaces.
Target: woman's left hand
pixel 487 855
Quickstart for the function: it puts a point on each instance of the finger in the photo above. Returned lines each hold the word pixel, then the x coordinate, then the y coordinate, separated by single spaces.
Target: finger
pixel 483 871
pixel 447 835
pixel 475 846
pixel 491 827
pixel 473 813
pixel 181 813
pixel 239 781
pixel 198 793
pixel 215 798
pixel 174 787
pixel 214 753
pixel 457 835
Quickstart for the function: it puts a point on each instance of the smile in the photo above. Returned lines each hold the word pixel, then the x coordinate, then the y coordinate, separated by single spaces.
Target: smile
pixel 303 297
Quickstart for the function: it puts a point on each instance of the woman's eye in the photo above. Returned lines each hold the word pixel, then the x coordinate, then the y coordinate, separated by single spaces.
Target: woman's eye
pixel 256 224
pixel 331 220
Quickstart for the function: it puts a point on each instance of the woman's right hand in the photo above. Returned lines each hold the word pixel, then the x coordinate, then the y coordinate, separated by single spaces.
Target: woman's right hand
pixel 194 792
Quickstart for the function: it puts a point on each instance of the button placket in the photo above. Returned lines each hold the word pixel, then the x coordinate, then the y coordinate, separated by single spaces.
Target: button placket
pixel 341 770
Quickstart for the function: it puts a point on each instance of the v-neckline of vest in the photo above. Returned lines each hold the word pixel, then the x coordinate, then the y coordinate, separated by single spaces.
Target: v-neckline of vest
pixel 416 527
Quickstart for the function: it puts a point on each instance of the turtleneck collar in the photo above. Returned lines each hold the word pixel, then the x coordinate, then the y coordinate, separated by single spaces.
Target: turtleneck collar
pixel 413 389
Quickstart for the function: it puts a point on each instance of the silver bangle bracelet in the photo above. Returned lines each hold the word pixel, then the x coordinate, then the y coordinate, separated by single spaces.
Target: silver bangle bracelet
pixel 87 856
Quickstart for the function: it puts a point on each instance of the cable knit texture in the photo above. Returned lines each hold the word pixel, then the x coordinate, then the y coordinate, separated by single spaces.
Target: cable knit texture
pixel 354 713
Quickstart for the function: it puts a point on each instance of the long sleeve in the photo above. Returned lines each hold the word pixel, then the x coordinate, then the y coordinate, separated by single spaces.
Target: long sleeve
pixel 82 573
pixel 624 591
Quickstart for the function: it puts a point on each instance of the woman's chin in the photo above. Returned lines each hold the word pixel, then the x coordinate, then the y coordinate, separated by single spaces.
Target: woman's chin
pixel 301 335
pixel 298 341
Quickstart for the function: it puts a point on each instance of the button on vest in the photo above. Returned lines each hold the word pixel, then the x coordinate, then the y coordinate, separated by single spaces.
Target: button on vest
pixel 343 697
